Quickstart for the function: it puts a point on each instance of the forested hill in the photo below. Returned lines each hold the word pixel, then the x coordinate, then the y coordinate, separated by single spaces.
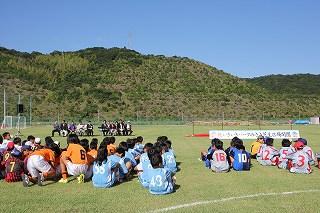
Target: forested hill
pixel 122 83
pixel 293 85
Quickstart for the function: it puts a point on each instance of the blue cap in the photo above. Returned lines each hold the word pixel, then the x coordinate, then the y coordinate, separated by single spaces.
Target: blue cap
pixel 15 152
pixel 26 147
pixel 304 141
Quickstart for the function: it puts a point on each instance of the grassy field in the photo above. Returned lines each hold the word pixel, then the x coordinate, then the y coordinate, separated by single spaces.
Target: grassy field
pixel 195 183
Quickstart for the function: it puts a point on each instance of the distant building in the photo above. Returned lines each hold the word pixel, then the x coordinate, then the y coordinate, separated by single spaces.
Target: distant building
pixel 315 120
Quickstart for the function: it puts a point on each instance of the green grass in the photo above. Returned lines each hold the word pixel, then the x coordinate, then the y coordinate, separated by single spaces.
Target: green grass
pixel 196 183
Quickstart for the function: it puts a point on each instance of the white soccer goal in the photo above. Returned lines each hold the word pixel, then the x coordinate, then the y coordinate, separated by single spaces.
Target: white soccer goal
pixel 10 122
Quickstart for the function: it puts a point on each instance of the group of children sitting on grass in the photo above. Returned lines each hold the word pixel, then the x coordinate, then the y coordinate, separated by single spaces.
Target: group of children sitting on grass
pixel 297 157
pixel 106 164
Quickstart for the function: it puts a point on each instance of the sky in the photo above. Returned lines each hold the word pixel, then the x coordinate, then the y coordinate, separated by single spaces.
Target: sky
pixel 246 38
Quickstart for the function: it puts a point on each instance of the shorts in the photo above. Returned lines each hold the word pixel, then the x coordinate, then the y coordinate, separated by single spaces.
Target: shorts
pixel 76 169
pixel 218 170
pixel 36 164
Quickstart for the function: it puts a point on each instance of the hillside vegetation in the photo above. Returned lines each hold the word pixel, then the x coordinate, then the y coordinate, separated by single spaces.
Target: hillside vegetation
pixel 122 83
pixel 292 85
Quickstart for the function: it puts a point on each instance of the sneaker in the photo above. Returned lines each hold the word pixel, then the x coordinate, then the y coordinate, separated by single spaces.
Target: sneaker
pixel 63 180
pixel 25 180
pixel 80 178
pixel 40 179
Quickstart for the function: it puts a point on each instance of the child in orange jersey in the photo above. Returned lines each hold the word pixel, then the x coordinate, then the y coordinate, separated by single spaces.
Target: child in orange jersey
pixel 74 160
pixel 110 145
pixel 40 165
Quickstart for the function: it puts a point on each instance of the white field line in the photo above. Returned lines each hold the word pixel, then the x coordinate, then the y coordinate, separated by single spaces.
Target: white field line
pixel 187 205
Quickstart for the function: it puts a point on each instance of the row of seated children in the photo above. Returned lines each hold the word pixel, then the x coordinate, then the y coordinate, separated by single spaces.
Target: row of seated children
pixel 155 166
pixel 35 164
pixel 219 160
pixel 14 155
pixel 297 158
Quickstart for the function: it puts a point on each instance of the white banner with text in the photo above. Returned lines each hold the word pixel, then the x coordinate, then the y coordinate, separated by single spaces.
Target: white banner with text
pixel 253 134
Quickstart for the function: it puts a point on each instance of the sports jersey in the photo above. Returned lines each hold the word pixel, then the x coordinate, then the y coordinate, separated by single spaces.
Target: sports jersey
pixel 268 156
pixel 104 175
pixel 93 153
pixel 138 147
pixel 144 160
pixel 5 156
pixel 219 162
pixel 160 181
pixel 169 161
pixel 91 156
pixel 4 144
pixel 133 152
pixel 116 159
pixel 228 151
pixel 283 153
pixel 208 157
pixel 255 147
pixel 111 149
pixel 172 151
pixel 129 157
pixel 259 154
pixel 241 159
pixel 308 150
pixel 300 162
pixel 14 169
pixel 47 154
pixel 77 154
pixel 144 177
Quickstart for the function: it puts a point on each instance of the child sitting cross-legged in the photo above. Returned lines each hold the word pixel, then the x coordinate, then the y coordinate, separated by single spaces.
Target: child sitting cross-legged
pixel 300 160
pixel 219 162
pixel 161 179
pixel 285 150
pixel 104 171
pixel 268 156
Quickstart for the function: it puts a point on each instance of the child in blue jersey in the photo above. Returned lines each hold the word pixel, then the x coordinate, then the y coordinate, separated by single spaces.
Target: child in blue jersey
pixel 231 147
pixel 104 170
pixel 117 157
pixel 131 144
pixel 207 156
pixel 144 166
pixel 240 158
pixel 161 179
pixel 138 147
pixel 168 159
pixel 170 149
pixel 162 139
pixel 129 159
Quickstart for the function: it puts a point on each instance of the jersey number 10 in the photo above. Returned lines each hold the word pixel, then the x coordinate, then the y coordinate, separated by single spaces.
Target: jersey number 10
pixel 242 158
